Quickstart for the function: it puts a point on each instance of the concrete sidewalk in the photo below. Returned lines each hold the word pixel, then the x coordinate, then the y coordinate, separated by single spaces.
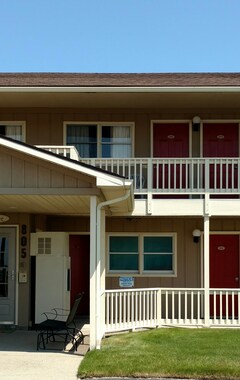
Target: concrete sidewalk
pixel 19 359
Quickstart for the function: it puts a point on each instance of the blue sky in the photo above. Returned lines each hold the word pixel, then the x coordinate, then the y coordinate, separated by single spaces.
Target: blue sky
pixel 120 36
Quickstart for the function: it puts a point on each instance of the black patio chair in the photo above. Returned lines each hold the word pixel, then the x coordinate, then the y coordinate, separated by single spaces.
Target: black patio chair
pixel 53 327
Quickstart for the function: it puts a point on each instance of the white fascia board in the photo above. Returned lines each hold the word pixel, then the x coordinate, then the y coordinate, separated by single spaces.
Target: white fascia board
pixel 199 89
pixel 103 182
pixel 103 179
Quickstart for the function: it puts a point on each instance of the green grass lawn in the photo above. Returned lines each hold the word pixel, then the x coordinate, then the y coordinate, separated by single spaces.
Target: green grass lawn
pixel 167 352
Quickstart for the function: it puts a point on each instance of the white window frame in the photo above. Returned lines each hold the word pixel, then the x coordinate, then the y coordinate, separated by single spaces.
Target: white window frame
pixel 141 272
pixel 99 125
pixel 108 248
pixel 17 122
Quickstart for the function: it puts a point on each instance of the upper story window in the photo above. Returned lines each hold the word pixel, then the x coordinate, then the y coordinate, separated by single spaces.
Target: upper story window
pixel 14 130
pixel 107 140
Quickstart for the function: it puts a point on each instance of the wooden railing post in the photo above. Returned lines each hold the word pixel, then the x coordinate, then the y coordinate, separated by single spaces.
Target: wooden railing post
pixel 159 307
pixel 206 175
pixel 149 185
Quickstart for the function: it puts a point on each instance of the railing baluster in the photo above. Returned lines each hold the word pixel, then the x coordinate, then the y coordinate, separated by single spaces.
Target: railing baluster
pixel 215 175
pixel 233 306
pixel 198 307
pixel 221 185
pixel 221 306
pixel 238 306
pixel 179 306
pixel 173 308
pixel 227 319
pixel 192 307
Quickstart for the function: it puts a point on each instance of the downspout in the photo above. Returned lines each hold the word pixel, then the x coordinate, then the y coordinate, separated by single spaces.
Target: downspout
pixel 98 267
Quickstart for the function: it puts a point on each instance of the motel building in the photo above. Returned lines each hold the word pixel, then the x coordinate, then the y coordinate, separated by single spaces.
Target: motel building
pixel 126 187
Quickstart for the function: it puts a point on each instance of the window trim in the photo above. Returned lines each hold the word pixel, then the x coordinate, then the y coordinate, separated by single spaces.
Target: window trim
pixel 16 122
pixel 141 272
pixel 99 125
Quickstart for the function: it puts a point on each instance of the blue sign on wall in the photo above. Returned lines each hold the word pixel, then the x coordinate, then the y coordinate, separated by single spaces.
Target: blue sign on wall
pixel 126 282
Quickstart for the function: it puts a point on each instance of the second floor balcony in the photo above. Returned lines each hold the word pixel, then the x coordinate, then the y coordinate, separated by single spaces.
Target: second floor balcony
pixel 173 179
pixel 169 176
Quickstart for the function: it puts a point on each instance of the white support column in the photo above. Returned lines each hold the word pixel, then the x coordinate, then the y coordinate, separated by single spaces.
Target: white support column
pixel 101 329
pixel 93 271
pixel 206 270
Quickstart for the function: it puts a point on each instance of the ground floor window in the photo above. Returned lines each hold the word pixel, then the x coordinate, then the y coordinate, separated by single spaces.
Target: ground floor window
pixel 142 253
pixel 158 253
pixel 123 253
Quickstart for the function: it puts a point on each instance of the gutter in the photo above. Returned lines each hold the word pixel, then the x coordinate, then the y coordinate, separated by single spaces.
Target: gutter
pixel 71 89
pixel 98 326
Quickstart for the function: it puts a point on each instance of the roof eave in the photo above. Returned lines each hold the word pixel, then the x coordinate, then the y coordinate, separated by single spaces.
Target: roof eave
pixel 120 89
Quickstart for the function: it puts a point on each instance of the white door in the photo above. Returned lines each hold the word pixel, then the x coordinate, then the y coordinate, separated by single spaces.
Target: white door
pixel 7 274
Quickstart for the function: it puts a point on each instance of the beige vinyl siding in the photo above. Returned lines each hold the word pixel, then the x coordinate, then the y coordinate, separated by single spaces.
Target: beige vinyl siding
pixel 19 173
pixel 188 252
pixel 44 126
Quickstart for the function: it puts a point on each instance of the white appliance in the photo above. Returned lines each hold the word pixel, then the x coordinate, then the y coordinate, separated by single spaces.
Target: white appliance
pixel 52 272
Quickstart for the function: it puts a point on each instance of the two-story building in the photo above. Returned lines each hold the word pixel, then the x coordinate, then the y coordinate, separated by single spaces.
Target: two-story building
pixel 126 187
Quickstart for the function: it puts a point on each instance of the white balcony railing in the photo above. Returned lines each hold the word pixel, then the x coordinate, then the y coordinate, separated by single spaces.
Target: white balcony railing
pixel 131 309
pixel 169 175
pixel 64 151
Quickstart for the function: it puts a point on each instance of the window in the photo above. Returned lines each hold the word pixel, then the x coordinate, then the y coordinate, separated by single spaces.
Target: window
pixel 142 253
pixel 101 139
pixel 123 253
pixel 158 253
pixel 44 246
pixel 14 130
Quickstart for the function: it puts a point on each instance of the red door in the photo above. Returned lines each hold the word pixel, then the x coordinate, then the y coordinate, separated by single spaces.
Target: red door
pixel 170 141
pixel 224 269
pixel 221 140
pixel 79 251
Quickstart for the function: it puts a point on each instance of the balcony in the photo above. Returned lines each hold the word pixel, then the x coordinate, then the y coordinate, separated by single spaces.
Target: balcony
pixel 169 176
pixel 171 179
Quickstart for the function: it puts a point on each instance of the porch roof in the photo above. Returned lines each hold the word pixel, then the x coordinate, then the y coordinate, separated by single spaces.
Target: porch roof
pixel 37 181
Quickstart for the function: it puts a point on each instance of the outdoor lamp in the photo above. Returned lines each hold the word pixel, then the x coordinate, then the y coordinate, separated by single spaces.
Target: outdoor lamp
pixel 196 235
pixel 196 123
pixel 196 120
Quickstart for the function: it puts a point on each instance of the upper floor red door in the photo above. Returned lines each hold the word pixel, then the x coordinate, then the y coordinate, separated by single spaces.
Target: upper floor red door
pixel 221 140
pixel 170 140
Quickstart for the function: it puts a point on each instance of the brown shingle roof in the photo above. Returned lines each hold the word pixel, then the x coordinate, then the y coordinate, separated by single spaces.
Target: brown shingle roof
pixel 119 80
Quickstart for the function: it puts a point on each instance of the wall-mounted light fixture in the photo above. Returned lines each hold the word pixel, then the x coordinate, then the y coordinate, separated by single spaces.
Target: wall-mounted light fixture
pixel 196 120
pixel 196 235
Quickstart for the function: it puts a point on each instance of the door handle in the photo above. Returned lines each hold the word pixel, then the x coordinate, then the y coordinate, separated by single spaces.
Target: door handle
pixel 236 278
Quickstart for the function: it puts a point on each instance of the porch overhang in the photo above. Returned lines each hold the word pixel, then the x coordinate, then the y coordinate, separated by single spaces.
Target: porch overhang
pixel 37 181
pixel 121 97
